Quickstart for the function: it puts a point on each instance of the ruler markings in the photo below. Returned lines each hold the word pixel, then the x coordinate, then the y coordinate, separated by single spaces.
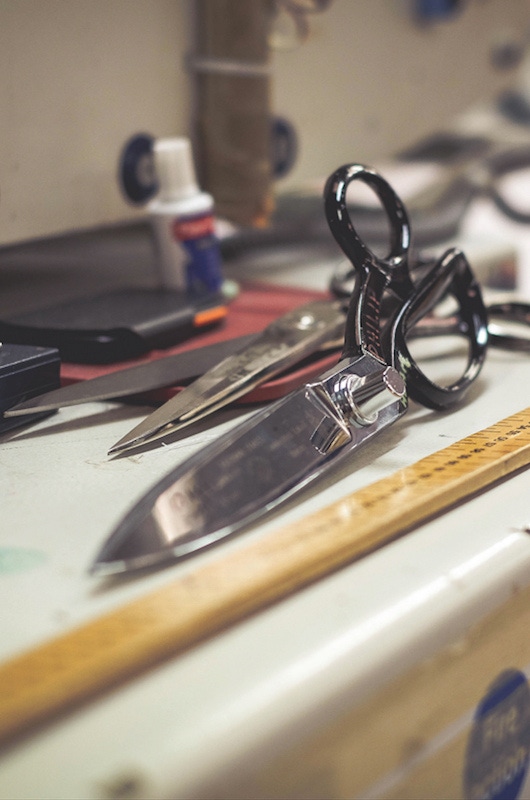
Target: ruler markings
pixel 59 674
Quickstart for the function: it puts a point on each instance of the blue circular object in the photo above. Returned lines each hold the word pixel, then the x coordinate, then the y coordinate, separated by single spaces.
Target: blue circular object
pixel 136 172
pixel 284 146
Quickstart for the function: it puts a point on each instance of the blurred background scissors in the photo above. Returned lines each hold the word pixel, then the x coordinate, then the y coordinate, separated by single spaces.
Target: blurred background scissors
pixel 464 168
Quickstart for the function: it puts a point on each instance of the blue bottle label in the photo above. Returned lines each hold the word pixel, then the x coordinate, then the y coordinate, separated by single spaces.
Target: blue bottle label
pixel 197 236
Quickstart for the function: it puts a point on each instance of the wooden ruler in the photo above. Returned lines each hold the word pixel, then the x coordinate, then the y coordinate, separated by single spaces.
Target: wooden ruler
pixel 75 667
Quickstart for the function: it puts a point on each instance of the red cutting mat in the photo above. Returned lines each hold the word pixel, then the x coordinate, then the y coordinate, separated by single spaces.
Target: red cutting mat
pixel 254 308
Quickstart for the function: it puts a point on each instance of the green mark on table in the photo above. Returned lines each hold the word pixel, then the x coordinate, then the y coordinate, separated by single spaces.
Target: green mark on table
pixel 18 559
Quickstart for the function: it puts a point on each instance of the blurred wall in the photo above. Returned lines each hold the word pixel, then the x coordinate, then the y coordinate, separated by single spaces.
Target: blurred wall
pixel 79 77
pixel 369 81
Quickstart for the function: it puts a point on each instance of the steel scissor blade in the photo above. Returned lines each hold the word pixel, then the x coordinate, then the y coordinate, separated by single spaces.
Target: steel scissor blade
pixel 156 374
pixel 284 342
pixel 250 470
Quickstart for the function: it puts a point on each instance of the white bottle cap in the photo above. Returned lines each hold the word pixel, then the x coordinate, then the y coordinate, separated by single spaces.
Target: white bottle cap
pixel 175 169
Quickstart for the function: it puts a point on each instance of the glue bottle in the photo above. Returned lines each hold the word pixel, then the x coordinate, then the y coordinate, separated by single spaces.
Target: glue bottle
pixel 187 250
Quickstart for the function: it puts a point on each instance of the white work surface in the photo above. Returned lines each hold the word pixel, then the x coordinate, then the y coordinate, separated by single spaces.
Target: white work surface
pixel 211 721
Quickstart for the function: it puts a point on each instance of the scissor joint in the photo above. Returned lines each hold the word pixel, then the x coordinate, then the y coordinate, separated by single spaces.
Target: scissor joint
pixel 314 316
pixel 352 400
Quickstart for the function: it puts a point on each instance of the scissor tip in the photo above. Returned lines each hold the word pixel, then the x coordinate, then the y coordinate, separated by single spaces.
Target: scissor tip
pixel 123 445
pixel 116 448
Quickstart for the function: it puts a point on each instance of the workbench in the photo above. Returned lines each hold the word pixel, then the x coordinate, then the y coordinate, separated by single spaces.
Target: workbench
pixel 374 681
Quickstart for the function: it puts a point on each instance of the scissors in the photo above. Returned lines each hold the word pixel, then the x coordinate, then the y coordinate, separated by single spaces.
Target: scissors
pixel 386 287
pixel 479 169
pixel 285 446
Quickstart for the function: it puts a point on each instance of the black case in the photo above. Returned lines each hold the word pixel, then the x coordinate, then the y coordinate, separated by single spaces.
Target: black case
pixel 115 326
pixel 25 372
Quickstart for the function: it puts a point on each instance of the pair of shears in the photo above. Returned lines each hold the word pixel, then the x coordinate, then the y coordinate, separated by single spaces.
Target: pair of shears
pixel 290 443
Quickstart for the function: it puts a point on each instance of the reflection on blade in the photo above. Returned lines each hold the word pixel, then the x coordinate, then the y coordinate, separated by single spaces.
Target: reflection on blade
pixel 253 468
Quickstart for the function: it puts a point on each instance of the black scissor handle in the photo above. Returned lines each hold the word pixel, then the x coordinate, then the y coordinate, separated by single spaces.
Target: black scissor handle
pixel 374 274
pixel 386 339
pixel 450 276
pixel 341 225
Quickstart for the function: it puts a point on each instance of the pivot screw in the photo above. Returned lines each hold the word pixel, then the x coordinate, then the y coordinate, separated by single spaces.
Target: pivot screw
pixel 361 403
